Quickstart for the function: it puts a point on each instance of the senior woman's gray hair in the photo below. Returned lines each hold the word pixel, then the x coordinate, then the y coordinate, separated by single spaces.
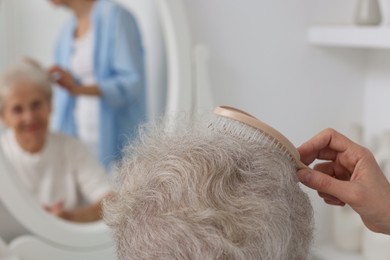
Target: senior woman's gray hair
pixel 24 70
pixel 193 193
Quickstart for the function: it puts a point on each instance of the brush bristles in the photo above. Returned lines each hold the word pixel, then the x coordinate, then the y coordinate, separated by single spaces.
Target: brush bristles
pixel 239 130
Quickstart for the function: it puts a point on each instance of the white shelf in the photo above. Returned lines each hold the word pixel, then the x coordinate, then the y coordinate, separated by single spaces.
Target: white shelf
pixel 350 36
pixel 329 252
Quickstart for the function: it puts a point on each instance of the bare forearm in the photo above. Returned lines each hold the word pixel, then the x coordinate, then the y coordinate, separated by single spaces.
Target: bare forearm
pixel 92 90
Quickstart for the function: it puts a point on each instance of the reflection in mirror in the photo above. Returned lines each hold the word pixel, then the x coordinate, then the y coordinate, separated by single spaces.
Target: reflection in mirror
pixel 100 73
pixel 52 238
pixel 57 170
pixel 44 19
pixel 31 28
pixel 24 23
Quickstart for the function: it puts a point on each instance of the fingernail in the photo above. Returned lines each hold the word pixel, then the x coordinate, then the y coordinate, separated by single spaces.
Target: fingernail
pixel 303 176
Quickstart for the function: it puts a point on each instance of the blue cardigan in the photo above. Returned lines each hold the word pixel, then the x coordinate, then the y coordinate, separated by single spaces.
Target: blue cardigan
pixel 118 63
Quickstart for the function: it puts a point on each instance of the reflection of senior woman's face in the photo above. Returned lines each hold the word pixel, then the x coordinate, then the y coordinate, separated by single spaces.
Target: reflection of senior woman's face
pixel 26 109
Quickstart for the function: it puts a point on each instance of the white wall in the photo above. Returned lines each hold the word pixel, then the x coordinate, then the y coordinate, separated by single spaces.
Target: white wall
pixel 377 97
pixel 260 62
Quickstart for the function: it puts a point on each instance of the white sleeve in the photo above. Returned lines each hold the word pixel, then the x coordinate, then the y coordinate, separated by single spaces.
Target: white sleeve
pixel 92 179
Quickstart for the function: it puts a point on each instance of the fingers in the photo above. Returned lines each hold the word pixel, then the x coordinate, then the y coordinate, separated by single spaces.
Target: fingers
pixel 54 69
pixel 333 169
pixel 331 145
pixel 59 205
pixel 327 140
pixel 55 76
pixel 329 199
pixel 55 209
pixel 325 184
pixel 325 167
pixel 55 73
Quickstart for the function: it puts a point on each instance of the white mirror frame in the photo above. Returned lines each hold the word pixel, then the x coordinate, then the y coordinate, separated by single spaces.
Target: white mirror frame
pixel 29 213
pixel 51 232
pixel 179 56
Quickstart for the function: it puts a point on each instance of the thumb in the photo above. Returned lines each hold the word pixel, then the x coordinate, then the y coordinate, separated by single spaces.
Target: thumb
pixel 324 183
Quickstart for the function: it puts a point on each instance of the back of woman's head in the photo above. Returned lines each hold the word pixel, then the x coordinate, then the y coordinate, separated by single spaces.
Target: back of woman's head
pixel 191 193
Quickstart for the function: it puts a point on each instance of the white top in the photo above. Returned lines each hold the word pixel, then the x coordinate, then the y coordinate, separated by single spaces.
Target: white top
pixel 65 170
pixel 87 107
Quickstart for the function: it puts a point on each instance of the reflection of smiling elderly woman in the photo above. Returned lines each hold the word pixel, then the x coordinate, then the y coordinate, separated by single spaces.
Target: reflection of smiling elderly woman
pixel 57 170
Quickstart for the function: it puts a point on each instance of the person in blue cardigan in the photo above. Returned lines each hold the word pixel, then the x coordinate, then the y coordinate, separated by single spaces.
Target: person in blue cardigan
pixel 100 70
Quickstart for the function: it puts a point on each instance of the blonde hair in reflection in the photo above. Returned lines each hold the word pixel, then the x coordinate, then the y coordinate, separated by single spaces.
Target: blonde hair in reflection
pixel 192 193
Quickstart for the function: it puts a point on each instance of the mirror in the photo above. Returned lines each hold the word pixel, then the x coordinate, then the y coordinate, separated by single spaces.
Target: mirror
pixel 32 27
pixel 22 23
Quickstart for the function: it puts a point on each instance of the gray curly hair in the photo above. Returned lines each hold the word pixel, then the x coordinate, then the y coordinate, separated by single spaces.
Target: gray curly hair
pixel 24 69
pixel 192 193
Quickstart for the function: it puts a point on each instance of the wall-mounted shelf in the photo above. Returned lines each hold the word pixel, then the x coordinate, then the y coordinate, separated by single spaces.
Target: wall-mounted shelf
pixel 350 36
